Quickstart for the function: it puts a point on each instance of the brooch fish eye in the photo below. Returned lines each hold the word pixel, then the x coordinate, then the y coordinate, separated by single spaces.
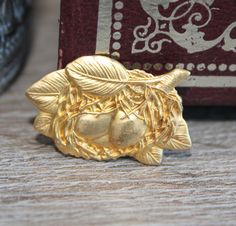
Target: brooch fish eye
pixel 97 109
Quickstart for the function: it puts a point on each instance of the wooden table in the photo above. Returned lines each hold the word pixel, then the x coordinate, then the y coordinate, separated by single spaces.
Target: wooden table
pixel 40 186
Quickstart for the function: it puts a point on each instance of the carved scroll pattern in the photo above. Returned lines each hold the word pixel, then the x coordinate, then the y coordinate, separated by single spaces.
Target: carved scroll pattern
pixel 162 29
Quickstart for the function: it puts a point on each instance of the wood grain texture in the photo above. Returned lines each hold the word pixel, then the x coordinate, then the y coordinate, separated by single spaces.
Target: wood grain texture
pixel 40 186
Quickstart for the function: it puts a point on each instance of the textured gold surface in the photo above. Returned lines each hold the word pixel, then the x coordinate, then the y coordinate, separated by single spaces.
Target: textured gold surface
pixel 96 109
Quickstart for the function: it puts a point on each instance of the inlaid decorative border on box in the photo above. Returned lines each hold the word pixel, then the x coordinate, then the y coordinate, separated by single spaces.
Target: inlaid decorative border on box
pixel 109 33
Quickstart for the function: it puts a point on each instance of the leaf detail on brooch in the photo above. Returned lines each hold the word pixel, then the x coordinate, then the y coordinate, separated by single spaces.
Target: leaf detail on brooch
pixel 172 79
pixel 44 93
pixel 150 156
pixel 97 78
pixel 181 139
pixel 42 123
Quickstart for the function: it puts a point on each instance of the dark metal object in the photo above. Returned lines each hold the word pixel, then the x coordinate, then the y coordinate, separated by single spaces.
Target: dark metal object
pixel 13 38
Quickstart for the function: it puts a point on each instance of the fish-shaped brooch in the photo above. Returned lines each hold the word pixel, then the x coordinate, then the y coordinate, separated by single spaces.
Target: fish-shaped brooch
pixel 97 109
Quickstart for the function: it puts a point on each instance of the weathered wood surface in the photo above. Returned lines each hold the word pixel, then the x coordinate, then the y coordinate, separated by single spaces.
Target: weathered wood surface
pixel 39 186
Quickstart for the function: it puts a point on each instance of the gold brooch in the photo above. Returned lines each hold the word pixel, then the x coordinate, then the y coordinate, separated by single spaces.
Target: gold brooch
pixel 97 109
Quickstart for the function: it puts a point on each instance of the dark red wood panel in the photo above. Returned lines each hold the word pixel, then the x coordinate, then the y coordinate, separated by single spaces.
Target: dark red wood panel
pixel 157 36
pixel 78 29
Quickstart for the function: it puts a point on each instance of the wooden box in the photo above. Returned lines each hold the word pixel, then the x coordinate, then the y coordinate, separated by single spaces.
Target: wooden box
pixel 157 36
